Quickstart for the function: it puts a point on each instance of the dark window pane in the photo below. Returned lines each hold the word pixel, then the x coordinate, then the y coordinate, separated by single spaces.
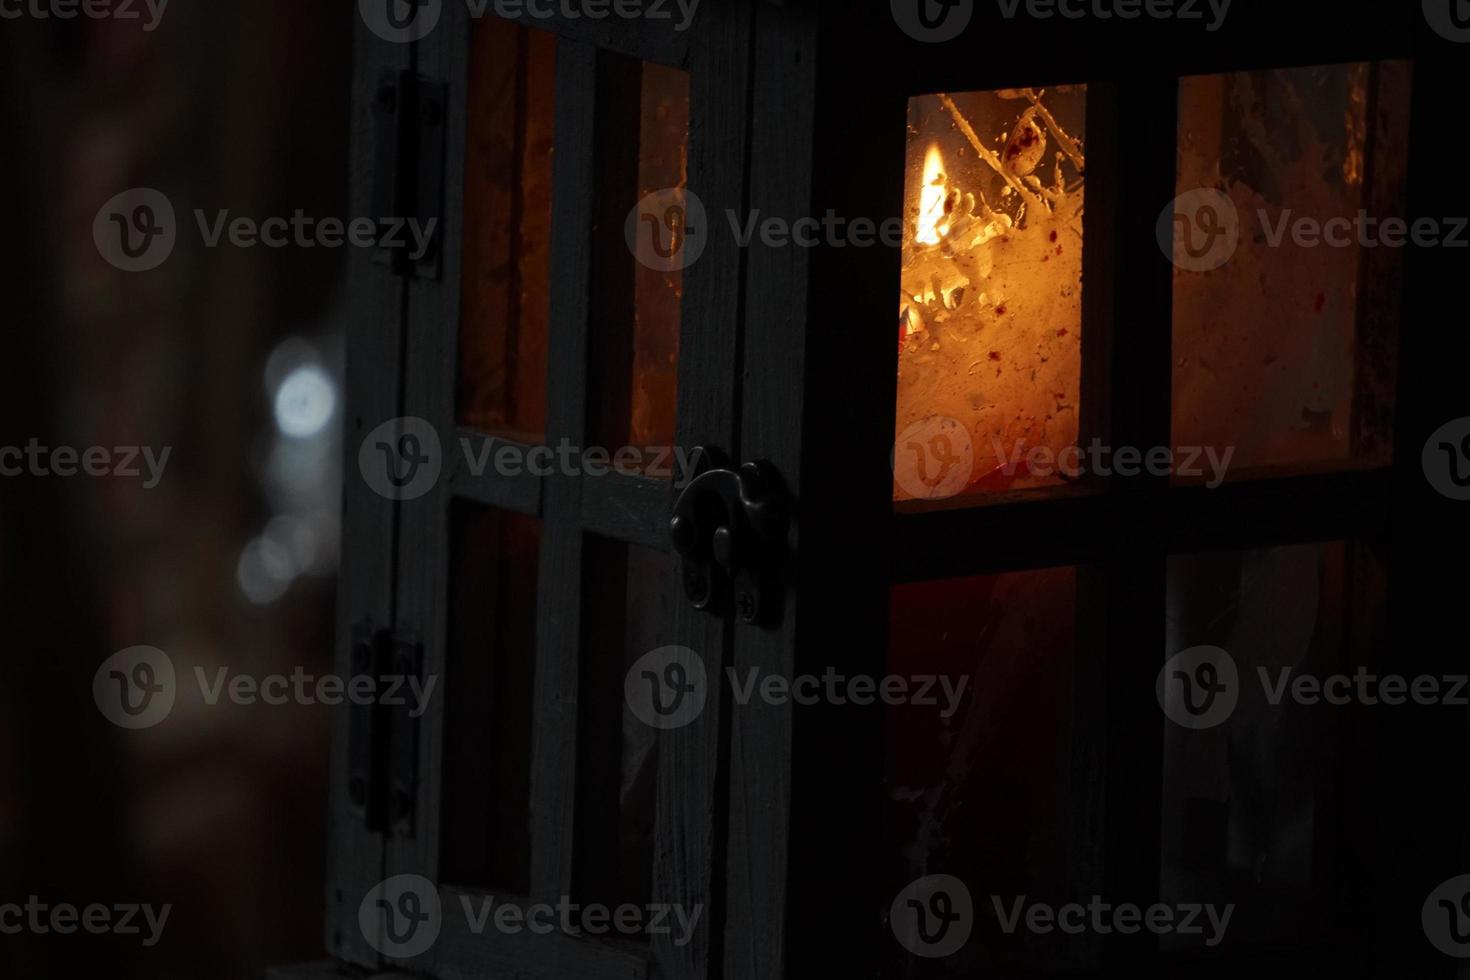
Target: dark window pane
pixel 1260 807
pixel 628 611
pixel 489 708
pixel 982 795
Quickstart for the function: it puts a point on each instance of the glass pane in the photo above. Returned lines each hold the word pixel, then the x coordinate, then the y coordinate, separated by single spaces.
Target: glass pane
pixel 489 687
pixel 990 309
pixel 628 611
pixel 505 292
pixel 663 161
pixel 638 349
pixel 979 795
pixel 1287 280
pixel 1260 805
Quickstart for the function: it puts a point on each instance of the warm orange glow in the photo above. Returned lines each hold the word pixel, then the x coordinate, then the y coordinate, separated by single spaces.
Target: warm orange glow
pixel 990 295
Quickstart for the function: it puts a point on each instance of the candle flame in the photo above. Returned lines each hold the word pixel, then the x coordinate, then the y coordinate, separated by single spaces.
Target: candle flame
pixel 933 221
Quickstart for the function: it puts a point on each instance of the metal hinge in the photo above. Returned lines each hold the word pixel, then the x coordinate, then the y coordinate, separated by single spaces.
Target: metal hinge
pixel 408 182
pixel 382 771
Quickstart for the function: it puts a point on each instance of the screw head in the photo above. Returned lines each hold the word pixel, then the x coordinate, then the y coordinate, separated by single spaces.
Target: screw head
pixel 724 546
pixel 696 585
pixel 681 532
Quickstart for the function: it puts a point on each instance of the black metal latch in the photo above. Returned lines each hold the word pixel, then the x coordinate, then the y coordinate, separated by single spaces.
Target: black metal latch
pixel 383 747
pixel 730 527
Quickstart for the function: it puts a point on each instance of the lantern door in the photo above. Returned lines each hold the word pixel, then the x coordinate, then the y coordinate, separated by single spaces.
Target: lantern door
pixel 528 394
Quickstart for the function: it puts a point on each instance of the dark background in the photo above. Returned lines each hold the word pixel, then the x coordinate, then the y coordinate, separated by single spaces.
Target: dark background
pixel 230 561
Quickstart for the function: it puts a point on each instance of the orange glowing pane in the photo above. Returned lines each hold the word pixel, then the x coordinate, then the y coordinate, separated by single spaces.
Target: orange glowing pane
pixel 506 281
pixel 663 162
pixel 990 304
pixel 1284 347
pixel 635 343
